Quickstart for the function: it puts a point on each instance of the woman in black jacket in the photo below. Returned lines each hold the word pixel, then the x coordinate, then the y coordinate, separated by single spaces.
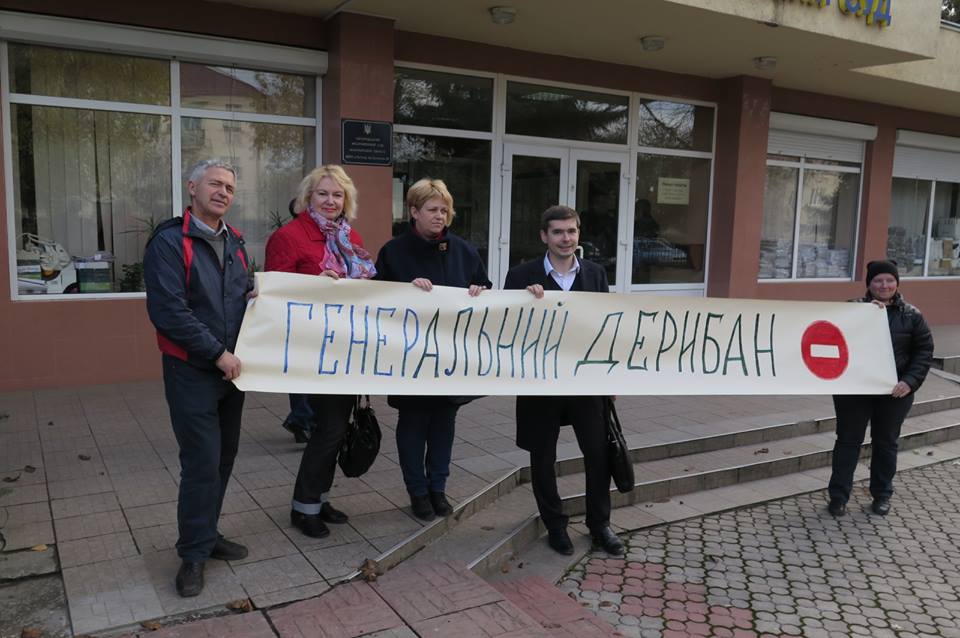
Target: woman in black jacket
pixel 913 353
pixel 428 254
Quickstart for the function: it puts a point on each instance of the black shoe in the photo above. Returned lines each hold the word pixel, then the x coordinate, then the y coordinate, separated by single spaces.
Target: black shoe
pixel 329 514
pixel 228 550
pixel 300 434
pixel 559 541
pixel 422 507
pixel 606 539
pixel 837 507
pixel 441 506
pixel 881 506
pixel 190 579
pixel 310 524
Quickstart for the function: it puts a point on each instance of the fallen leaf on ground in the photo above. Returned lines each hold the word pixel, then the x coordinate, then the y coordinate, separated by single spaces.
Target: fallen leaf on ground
pixel 930 453
pixel 369 570
pixel 83 457
pixel 11 479
pixel 30 632
pixel 763 450
pixel 151 625
pixel 606 603
pixel 240 605
pixel 487 528
pixel 38 548
pixel 29 469
pixel 49 422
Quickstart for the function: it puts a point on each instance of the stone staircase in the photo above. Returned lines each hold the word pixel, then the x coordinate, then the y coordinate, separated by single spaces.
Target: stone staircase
pixel 494 532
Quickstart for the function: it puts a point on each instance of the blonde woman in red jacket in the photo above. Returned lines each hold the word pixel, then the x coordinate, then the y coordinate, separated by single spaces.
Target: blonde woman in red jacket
pixel 321 241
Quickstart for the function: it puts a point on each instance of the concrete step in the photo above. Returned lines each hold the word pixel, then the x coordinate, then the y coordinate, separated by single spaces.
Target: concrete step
pixel 526 554
pixel 949 364
pixel 485 526
pixel 660 481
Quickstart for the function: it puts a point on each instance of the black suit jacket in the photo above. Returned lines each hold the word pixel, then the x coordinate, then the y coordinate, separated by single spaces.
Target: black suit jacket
pixel 538 415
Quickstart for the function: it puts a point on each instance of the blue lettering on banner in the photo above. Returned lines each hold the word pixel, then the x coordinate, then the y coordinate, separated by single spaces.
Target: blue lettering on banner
pixel 286 340
pixel 381 339
pixel 328 336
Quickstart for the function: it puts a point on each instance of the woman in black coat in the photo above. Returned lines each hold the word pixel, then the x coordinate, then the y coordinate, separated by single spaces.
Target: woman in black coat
pixel 913 353
pixel 428 254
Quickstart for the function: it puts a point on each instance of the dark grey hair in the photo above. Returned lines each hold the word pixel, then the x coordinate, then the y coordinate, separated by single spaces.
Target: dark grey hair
pixel 201 167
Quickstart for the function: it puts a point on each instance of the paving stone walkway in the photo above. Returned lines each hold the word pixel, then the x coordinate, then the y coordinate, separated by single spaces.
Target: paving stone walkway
pixel 787 568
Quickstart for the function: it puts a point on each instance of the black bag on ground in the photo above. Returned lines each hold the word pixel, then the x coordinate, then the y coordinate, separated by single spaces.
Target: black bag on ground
pixel 361 443
pixel 618 454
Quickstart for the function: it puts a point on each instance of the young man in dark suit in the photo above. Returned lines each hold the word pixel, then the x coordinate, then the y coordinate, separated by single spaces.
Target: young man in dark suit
pixel 539 418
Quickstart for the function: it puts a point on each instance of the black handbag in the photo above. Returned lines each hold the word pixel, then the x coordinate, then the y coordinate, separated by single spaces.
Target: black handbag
pixel 618 454
pixel 361 443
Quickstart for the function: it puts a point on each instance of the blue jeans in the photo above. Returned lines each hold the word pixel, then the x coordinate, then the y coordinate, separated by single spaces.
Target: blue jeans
pixel 425 443
pixel 301 414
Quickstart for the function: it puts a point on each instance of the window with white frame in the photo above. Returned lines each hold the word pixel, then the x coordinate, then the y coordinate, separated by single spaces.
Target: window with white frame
pixel 674 178
pixel 96 139
pixel 924 232
pixel 443 128
pixel 812 198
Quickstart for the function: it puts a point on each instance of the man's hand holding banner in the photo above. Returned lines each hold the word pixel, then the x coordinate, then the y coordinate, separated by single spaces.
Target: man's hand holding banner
pixel 314 335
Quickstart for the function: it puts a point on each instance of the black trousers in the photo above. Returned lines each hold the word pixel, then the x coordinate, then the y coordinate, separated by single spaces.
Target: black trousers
pixel 205 412
pixel 885 415
pixel 319 461
pixel 586 416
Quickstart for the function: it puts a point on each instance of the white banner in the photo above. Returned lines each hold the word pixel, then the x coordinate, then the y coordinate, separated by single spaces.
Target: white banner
pixel 307 334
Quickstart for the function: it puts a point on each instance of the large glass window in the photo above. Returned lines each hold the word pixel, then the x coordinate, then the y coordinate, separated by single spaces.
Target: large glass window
pixel 907 233
pixel 36 70
pixel 809 218
pixel 779 218
pixel 91 182
pixel 944 256
pixel 246 91
pixel 675 125
pixel 442 100
pixel 90 186
pixel 570 114
pixel 672 202
pixel 670 220
pixel 464 165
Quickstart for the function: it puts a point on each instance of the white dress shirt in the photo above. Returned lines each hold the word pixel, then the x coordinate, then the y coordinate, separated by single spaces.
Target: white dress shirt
pixel 564 280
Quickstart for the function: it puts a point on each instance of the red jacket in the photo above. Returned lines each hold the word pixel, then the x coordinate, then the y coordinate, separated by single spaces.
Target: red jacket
pixel 300 247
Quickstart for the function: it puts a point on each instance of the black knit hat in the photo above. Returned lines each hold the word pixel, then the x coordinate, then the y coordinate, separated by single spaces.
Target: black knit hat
pixel 880 267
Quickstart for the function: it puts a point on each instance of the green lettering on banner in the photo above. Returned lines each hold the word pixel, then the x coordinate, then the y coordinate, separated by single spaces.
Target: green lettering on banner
pixel 609 360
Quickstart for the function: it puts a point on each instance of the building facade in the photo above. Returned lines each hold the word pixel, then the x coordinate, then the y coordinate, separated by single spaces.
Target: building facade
pixel 732 148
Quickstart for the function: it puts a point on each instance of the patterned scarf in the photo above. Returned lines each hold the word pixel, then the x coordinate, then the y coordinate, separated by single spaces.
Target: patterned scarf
pixel 341 256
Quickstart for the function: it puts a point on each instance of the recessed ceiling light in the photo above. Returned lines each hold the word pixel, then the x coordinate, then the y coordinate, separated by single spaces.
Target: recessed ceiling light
pixel 765 62
pixel 503 15
pixel 652 42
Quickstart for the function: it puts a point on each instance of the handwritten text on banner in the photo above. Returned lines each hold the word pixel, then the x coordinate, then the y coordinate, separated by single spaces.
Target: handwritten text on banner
pixel 308 334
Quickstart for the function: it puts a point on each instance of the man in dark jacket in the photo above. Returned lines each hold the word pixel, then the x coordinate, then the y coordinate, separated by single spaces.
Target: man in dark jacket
pixel 913 354
pixel 197 279
pixel 539 418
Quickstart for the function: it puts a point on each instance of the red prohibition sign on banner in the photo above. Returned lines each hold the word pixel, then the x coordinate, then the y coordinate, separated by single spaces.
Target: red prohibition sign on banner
pixel 824 350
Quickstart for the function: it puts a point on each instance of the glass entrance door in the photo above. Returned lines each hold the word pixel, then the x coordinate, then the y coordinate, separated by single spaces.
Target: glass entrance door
pixel 591 182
